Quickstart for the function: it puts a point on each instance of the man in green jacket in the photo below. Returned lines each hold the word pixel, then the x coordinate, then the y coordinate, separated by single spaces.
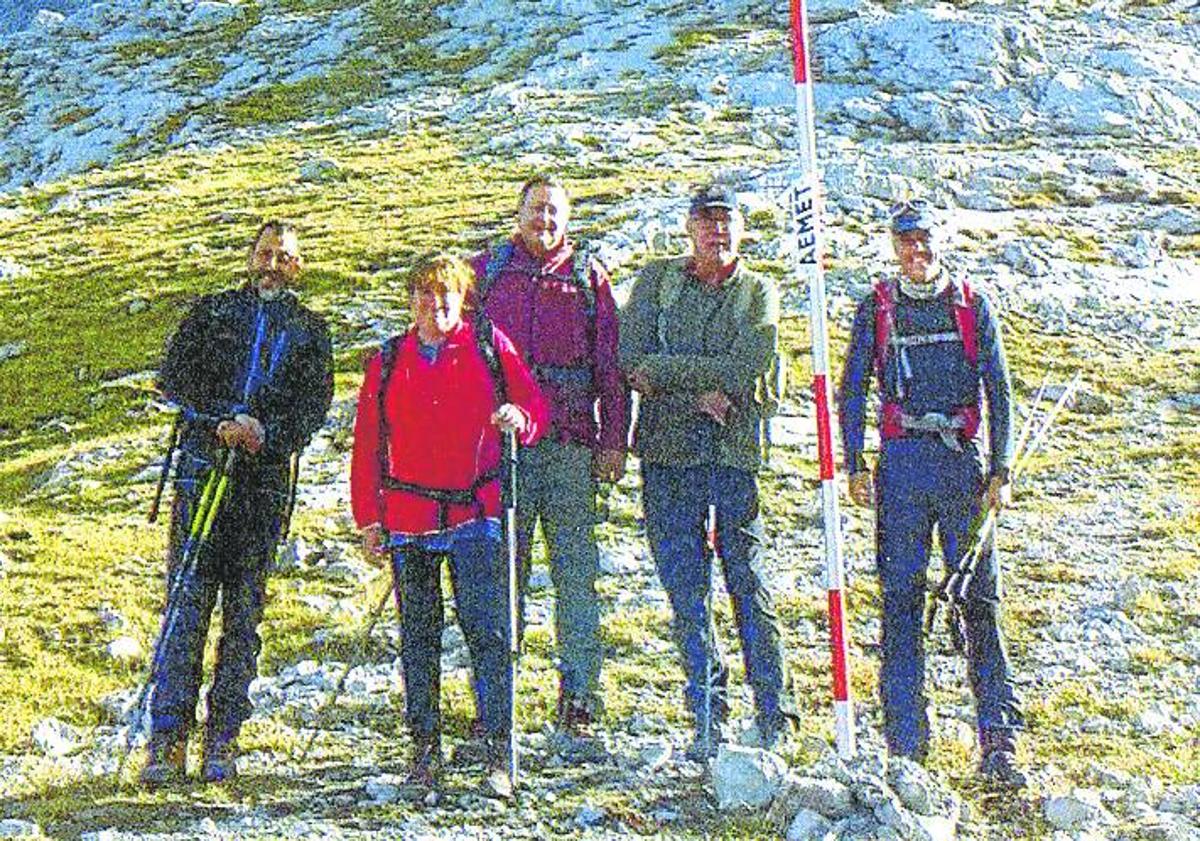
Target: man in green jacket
pixel 698 340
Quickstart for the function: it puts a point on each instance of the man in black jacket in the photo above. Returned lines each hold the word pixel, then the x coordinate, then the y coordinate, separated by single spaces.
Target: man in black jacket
pixel 251 371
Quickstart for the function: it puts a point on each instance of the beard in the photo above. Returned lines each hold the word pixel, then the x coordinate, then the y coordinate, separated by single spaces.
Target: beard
pixel 935 282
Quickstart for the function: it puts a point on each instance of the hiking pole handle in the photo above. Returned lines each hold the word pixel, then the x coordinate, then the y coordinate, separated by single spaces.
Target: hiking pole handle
pixel 165 472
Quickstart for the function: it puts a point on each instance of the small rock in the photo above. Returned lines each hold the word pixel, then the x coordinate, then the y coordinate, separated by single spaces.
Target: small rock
pixel 11 269
pixel 1174 221
pixel 808 826
pixel 1084 401
pixel 48 19
pixel 912 785
pixel 1128 593
pixel 1184 800
pixel 1156 719
pixel 320 170
pixel 1078 810
pixel 936 827
pixel 589 816
pixel 1023 259
pixel 12 350
pixel 124 649
pixel 746 776
pixel 55 738
pixel 14 828
pixel 824 796
pixel 1184 402
pixel 655 755
pixel 383 789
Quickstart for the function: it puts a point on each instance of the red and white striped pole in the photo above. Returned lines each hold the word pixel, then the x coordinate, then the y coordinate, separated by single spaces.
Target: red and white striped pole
pixel 805 221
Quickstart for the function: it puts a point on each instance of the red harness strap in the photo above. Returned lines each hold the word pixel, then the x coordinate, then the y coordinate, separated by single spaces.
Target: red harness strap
pixel 962 308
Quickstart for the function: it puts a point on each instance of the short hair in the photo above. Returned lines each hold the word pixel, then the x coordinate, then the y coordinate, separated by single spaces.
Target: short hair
pixel 441 273
pixel 541 179
pixel 278 227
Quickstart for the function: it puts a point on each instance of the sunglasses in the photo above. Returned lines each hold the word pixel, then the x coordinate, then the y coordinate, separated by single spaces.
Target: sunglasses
pixel 907 206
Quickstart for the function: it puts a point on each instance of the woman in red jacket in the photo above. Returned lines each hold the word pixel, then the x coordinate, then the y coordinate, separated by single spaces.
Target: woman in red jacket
pixel 425 483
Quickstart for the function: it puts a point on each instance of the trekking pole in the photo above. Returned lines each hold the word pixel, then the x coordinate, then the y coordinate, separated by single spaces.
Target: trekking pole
pixel 710 555
pixel 211 496
pixel 360 643
pixel 514 647
pixel 290 507
pixel 957 582
pixel 941 592
pixel 975 547
pixel 172 443
pixel 807 260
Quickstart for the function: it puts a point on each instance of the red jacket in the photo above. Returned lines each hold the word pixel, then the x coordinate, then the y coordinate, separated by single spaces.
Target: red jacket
pixel 440 432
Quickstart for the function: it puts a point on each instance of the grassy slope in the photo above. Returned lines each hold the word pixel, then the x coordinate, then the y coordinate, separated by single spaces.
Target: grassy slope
pixel 158 237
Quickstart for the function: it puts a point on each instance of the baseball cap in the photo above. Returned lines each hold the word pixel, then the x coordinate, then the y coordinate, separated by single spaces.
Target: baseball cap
pixel 913 215
pixel 713 196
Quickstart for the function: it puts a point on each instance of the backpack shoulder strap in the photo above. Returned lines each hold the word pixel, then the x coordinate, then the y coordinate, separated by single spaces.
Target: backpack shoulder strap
pixel 581 277
pixel 491 357
pixel 387 359
pixel 497 260
pixel 670 285
pixel 885 315
pixel 966 320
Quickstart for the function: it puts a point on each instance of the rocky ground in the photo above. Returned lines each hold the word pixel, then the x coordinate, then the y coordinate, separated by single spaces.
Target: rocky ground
pixel 1064 133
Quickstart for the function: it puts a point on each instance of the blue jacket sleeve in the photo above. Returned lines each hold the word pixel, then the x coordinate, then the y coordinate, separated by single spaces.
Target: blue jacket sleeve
pixel 856 382
pixel 997 389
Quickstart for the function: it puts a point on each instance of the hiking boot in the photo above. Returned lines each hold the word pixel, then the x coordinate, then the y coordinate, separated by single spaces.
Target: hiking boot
pixel 220 758
pixel 575 716
pixel 166 760
pixel 424 773
pixel 702 747
pixel 768 732
pixel 498 783
pixel 998 759
pixel 472 750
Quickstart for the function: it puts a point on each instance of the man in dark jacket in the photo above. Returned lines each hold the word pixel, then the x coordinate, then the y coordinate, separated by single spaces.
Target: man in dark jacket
pixel 251 371
pixel 554 301
pixel 933 345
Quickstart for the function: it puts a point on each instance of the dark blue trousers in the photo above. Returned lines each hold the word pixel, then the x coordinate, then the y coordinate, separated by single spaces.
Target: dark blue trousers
pixel 232 566
pixel 921 484
pixel 676 504
pixel 479 577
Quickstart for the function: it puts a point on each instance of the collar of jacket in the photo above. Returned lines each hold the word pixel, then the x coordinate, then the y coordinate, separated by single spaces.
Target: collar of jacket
pixel 734 271
pixel 557 262
pixel 284 294
pixel 461 334
pixel 925 291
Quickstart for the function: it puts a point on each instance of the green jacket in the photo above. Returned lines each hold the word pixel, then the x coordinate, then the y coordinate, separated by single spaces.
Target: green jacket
pixel 689 339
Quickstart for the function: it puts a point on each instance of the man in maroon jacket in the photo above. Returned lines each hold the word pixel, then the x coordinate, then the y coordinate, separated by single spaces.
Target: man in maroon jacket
pixel 555 302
